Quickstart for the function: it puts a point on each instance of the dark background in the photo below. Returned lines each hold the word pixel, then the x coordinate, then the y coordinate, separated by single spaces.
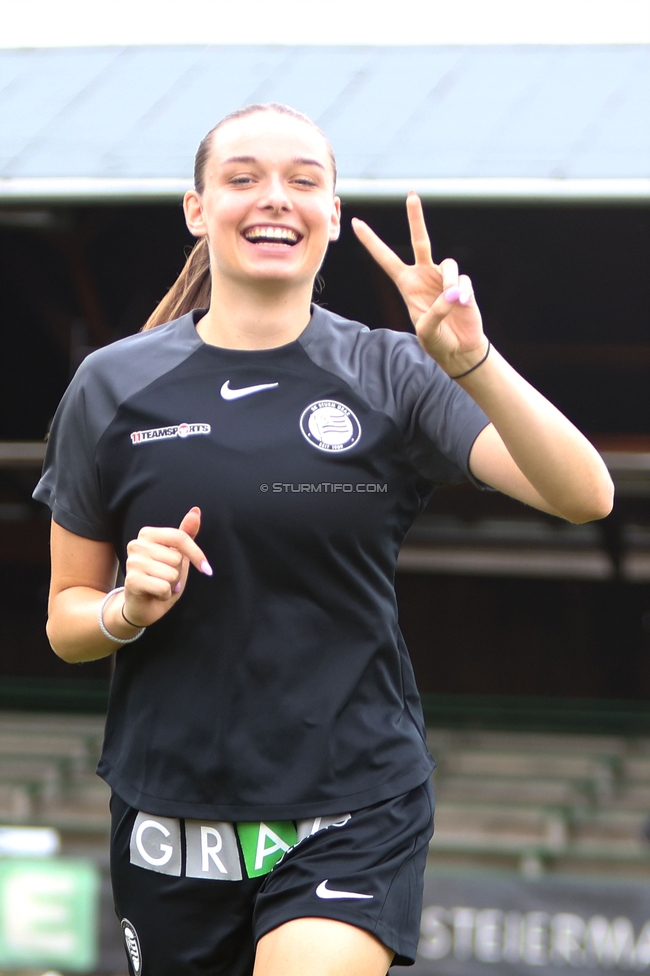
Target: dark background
pixel 564 293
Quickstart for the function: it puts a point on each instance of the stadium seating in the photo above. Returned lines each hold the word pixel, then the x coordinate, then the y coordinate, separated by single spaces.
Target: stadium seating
pixel 541 799
pixel 47 777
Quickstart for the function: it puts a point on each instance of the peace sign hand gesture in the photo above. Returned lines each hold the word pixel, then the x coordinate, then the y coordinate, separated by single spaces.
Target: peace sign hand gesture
pixel 439 300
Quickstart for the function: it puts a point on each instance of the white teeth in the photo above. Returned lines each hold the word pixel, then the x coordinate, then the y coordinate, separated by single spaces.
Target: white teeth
pixel 271 234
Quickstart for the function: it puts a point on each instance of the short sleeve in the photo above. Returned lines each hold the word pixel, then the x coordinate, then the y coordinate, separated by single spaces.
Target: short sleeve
pixel 69 485
pixel 439 419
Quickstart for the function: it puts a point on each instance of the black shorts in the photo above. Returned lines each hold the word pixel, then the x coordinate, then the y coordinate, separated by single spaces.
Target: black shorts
pixel 195 897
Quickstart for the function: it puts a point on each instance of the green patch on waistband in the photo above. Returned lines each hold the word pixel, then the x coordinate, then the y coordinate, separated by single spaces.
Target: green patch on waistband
pixel 264 844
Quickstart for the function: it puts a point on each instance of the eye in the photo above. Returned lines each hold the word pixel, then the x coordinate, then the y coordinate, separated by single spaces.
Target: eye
pixel 304 181
pixel 241 180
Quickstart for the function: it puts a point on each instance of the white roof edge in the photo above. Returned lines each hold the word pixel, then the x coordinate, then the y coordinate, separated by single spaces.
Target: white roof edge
pixel 79 189
pixel 99 189
pixel 497 188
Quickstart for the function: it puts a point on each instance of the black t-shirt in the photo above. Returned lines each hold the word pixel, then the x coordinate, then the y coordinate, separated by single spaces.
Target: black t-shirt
pixel 281 686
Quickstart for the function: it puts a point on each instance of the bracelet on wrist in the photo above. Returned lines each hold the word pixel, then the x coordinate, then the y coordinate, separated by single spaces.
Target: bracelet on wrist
pixel 102 625
pixel 476 366
pixel 129 622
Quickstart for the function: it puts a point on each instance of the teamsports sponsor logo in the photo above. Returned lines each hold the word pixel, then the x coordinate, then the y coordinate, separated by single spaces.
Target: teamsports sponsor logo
pixel 330 426
pixel 132 943
pixel 167 433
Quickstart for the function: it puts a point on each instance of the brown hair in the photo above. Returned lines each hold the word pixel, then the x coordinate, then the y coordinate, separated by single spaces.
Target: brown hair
pixel 192 287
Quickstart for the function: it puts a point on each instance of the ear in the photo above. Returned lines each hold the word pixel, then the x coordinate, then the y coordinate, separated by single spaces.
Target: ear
pixel 193 209
pixel 335 220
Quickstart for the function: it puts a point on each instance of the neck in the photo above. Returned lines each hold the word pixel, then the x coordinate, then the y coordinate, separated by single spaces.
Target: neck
pixel 241 317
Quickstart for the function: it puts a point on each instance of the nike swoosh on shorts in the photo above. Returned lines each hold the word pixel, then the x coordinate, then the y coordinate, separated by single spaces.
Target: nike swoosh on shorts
pixel 229 394
pixel 324 892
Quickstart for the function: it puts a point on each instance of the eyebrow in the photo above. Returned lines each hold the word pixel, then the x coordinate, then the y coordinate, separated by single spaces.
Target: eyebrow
pixel 297 160
pixel 306 161
pixel 240 159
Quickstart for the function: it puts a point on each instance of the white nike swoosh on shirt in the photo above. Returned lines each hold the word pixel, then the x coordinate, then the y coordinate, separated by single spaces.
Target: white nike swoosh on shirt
pixel 324 892
pixel 229 394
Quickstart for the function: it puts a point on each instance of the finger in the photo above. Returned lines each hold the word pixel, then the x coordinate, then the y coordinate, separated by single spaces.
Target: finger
pixel 178 540
pixel 432 319
pixel 141 564
pixel 465 290
pixel 449 271
pixel 191 522
pixel 179 585
pixel 143 551
pixel 418 228
pixel 139 584
pixel 463 293
pixel 381 252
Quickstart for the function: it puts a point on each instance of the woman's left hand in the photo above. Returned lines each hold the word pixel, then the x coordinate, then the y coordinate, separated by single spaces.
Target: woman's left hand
pixel 440 302
pixel 530 450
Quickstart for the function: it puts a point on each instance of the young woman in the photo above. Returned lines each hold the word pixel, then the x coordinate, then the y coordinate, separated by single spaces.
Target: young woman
pixel 264 743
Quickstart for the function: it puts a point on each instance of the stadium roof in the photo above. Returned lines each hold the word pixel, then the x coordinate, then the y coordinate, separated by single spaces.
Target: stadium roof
pixel 510 122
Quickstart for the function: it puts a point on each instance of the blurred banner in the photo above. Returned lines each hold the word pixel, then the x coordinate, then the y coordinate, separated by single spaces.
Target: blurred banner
pixel 49 913
pixel 472 924
pixel 476 924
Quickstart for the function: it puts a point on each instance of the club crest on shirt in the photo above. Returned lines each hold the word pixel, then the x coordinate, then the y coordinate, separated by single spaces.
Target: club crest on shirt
pixel 166 433
pixel 330 426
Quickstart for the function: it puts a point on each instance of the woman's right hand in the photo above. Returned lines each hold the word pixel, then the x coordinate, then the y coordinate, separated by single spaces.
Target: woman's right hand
pixel 157 566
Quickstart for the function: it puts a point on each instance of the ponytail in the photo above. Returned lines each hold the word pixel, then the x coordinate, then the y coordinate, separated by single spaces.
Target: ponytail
pixel 190 290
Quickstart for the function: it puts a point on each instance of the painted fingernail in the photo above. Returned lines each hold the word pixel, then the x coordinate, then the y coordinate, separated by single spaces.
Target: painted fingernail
pixel 177 587
pixel 465 297
pixel 206 568
pixel 452 294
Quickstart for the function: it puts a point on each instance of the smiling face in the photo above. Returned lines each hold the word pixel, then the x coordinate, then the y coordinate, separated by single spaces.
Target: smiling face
pixel 267 204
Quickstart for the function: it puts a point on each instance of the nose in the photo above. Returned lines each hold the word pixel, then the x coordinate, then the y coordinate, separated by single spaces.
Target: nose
pixel 274 196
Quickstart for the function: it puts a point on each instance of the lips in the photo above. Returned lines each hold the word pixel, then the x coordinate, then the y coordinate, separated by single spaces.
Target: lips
pixel 270 234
